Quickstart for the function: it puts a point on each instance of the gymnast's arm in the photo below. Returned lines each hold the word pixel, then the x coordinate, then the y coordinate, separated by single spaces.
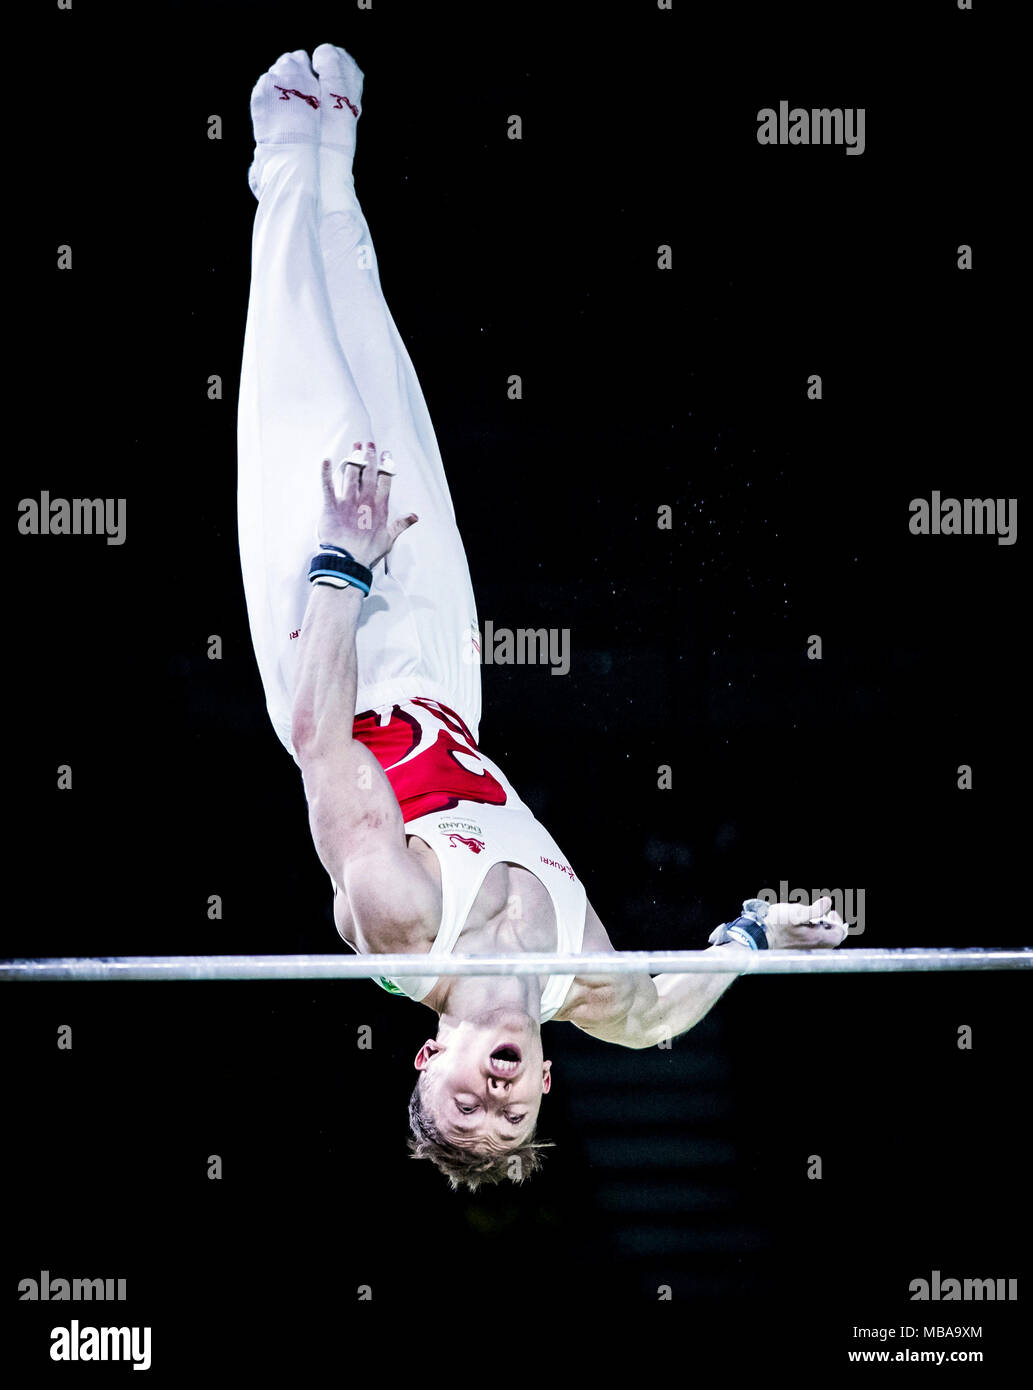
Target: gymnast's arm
pixel 642 1010
pixel 354 816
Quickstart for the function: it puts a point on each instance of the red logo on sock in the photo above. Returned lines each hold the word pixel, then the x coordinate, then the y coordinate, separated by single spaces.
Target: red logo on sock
pixel 353 109
pixel 288 92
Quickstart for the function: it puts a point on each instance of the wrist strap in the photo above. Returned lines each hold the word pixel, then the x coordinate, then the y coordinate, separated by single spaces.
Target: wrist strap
pixel 747 929
pixel 338 568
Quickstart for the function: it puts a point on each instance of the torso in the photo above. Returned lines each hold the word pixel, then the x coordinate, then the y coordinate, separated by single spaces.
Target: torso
pixel 492 927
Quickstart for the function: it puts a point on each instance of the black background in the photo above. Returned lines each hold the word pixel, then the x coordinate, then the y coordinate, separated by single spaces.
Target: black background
pixel 642 388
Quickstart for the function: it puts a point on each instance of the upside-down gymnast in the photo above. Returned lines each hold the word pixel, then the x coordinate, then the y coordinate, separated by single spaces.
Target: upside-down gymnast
pixel 377 694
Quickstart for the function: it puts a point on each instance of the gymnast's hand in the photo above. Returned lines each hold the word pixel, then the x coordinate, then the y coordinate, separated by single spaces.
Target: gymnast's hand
pixel 357 519
pixel 796 926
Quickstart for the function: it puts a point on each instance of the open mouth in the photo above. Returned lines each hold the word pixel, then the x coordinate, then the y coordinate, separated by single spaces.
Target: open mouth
pixel 505 1060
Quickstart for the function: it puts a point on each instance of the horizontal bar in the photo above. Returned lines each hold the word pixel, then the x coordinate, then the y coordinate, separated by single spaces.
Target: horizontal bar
pixel 721 961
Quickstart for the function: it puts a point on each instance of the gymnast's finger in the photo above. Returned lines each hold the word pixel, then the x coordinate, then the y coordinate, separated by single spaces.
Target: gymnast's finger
pixel 329 491
pixel 352 470
pixel 369 473
pixel 385 473
pixel 815 912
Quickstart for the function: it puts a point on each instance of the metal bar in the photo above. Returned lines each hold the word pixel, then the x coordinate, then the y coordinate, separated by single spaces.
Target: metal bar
pixel 722 961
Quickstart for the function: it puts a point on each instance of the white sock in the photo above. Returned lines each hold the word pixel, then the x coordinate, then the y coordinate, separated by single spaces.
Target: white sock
pixel 285 109
pixel 340 91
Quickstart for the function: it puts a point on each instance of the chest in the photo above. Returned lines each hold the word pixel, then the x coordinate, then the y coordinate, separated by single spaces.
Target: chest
pixel 511 912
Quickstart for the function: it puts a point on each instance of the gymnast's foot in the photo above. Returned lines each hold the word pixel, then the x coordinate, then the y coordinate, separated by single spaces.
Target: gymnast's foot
pixel 340 90
pixel 285 111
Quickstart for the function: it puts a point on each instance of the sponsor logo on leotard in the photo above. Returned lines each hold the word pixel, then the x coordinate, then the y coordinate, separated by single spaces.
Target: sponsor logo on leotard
pixel 475 845
pixel 459 827
pixel 555 864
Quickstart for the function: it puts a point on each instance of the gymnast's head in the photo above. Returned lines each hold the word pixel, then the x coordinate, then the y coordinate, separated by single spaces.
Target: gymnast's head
pixel 475 1107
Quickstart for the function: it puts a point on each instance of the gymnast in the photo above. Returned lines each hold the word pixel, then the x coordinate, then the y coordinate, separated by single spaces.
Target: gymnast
pixel 365 632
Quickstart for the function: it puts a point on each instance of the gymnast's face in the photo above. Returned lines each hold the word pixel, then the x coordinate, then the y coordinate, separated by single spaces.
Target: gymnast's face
pixel 485 1078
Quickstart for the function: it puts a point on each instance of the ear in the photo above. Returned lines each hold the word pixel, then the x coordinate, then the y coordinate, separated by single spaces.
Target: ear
pixel 426 1052
pixel 546 1078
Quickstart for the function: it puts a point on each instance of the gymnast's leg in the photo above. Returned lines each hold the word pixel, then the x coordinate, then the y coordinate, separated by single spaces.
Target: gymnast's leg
pixel 422 638
pixel 299 402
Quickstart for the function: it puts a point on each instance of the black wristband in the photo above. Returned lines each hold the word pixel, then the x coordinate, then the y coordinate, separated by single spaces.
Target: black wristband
pixel 747 929
pixel 748 926
pixel 337 568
